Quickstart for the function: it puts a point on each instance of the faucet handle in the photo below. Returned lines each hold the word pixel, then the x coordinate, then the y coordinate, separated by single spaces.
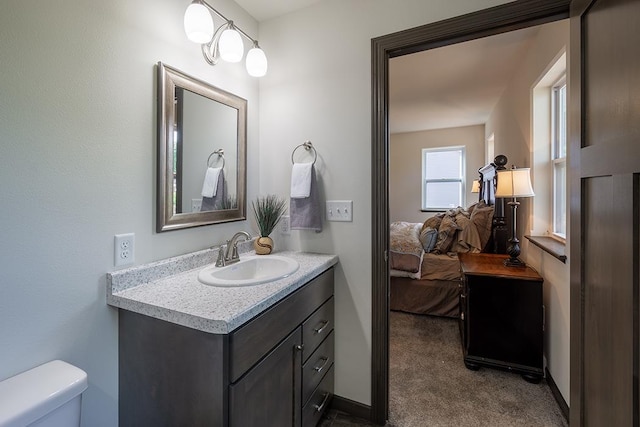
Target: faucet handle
pixel 220 261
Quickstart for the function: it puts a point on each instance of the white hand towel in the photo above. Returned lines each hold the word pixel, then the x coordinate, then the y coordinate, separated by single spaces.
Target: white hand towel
pixel 210 185
pixel 301 180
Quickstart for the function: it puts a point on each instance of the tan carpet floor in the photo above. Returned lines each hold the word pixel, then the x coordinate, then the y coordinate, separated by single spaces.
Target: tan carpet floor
pixel 430 386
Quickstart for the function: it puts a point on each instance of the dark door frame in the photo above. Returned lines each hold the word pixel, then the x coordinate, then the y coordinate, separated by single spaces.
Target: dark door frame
pixel 487 22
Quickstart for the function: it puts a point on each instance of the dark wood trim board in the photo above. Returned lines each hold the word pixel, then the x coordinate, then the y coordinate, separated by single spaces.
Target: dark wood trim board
pixel 351 407
pixel 556 394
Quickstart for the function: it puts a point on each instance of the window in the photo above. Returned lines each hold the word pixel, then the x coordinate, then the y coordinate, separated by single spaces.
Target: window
pixel 442 178
pixel 559 156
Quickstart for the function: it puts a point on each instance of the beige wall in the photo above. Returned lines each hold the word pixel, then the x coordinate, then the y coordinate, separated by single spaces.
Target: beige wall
pixel 511 121
pixel 405 167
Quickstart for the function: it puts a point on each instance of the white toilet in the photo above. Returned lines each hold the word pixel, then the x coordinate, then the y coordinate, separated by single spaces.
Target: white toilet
pixel 46 396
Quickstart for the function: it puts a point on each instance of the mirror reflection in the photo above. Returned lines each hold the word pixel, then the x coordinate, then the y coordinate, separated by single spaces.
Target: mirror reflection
pixel 205 147
pixel 201 152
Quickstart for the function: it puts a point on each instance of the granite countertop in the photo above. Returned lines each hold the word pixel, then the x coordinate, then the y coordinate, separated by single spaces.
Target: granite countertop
pixel 169 290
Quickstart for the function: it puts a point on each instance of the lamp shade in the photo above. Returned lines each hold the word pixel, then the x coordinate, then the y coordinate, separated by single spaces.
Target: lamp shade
pixel 475 187
pixel 256 62
pixel 230 45
pixel 514 183
pixel 198 24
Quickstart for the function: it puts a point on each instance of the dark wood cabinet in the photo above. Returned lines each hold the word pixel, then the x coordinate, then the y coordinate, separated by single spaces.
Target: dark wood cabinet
pixel 275 370
pixel 271 389
pixel 501 315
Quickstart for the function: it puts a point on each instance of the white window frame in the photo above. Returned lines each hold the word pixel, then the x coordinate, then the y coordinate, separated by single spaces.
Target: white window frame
pixel 460 179
pixel 558 159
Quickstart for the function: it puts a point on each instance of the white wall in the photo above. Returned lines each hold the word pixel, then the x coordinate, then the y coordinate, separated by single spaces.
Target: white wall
pixel 77 165
pixel 405 167
pixel 511 121
pixel 318 88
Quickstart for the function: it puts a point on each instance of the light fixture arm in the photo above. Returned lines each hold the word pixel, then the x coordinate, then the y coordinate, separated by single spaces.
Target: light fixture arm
pixel 210 50
pixel 228 21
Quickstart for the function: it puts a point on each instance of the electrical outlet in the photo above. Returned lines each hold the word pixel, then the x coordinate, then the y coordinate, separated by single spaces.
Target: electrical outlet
pixel 285 225
pixel 340 210
pixel 124 249
pixel 196 205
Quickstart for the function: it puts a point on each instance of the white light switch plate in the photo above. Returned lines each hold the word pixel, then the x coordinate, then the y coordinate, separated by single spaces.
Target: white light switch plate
pixel 340 210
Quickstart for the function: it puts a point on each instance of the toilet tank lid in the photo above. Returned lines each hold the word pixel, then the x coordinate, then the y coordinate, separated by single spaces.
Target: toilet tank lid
pixel 32 394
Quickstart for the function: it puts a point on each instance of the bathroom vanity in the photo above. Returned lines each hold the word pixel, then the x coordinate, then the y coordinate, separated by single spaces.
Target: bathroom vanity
pixel 192 354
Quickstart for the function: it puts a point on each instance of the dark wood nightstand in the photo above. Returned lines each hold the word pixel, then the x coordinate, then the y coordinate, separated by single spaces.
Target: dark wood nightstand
pixel 501 315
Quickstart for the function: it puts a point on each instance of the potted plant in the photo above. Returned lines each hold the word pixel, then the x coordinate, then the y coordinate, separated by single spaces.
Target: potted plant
pixel 268 211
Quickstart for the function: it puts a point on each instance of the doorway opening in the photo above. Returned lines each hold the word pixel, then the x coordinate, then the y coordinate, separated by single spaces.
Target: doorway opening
pixel 500 19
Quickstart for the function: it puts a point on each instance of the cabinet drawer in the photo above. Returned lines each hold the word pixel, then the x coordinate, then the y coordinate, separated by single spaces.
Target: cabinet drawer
pixel 316 367
pixel 252 341
pixel 316 328
pixel 319 401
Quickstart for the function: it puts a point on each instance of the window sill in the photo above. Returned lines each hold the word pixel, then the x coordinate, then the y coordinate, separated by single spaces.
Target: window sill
pixel 550 245
pixel 433 210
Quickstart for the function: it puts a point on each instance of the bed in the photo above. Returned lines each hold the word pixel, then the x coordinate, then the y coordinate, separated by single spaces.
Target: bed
pixel 424 267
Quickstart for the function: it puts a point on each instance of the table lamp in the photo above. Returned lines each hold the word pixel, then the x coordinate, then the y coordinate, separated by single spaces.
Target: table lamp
pixel 514 183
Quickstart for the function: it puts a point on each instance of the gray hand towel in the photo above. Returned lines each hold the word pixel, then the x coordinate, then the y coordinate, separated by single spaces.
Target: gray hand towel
pixel 306 213
pixel 215 203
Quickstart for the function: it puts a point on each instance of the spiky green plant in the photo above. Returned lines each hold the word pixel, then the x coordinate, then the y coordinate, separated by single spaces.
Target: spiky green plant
pixel 268 211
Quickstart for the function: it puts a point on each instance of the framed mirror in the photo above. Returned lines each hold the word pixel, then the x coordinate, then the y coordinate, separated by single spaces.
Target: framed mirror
pixel 202 141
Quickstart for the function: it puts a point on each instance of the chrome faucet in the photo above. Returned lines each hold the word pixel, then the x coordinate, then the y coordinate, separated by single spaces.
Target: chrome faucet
pixel 231 256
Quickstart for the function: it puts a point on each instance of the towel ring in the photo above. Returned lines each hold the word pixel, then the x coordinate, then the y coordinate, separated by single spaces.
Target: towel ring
pixel 307 146
pixel 220 153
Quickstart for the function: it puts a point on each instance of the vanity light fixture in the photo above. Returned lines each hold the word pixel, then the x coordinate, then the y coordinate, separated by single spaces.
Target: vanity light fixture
pixel 225 43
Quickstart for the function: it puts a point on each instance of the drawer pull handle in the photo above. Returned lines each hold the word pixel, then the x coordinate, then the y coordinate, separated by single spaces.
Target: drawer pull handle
pixel 300 347
pixel 320 407
pixel 324 360
pixel 319 330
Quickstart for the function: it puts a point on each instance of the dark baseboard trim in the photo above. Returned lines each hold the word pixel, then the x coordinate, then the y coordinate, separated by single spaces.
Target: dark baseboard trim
pixel 556 393
pixel 351 407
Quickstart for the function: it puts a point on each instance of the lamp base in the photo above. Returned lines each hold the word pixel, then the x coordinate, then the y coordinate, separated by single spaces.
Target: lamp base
pixel 514 262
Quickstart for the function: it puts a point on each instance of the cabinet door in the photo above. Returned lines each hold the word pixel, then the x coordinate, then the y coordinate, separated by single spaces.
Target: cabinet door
pixel 270 393
pixel 505 320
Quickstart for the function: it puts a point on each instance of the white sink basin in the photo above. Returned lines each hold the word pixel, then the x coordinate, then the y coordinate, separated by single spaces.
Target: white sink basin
pixel 250 270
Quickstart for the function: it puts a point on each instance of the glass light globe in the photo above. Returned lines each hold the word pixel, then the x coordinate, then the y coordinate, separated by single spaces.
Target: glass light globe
pixel 256 62
pixel 198 23
pixel 230 46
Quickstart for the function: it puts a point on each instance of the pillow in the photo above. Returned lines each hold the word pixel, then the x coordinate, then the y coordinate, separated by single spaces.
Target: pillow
pixel 468 239
pixel 433 222
pixel 429 238
pixel 446 235
pixel 472 207
pixel 405 248
pixel 482 218
pixel 456 211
